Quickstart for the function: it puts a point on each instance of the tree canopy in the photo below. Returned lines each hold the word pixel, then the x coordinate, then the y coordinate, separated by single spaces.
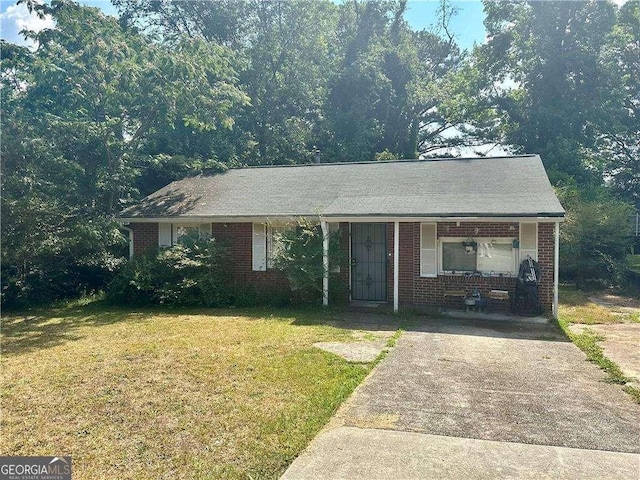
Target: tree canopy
pixel 80 122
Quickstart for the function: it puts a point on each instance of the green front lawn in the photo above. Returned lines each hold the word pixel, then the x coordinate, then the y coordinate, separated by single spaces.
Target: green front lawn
pixel 144 394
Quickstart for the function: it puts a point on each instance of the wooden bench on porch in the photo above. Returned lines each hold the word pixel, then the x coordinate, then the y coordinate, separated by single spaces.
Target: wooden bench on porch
pixel 455 294
pixel 498 297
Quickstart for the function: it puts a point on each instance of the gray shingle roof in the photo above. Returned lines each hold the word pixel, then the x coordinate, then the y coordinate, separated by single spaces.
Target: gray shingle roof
pixel 496 186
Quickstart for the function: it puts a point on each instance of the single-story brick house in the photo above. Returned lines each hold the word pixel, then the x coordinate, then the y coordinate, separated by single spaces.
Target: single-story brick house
pixel 405 226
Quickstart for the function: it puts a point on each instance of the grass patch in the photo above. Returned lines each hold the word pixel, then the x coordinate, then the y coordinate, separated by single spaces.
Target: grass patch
pixel 587 341
pixel 576 307
pixel 634 392
pixel 197 393
pixel 391 342
pixel 393 339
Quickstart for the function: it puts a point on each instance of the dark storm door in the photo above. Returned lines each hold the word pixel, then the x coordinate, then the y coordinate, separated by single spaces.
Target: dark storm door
pixel 369 261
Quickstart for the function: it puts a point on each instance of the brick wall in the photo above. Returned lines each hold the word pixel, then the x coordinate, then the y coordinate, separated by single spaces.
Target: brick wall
pixel 478 229
pixel 237 240
pixel 145 237
pixel 417 290
pixel 413 289
pixel 546 251
pixel 406 263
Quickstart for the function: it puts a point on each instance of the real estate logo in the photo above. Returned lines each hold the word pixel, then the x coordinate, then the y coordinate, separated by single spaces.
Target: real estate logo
pixel 35 468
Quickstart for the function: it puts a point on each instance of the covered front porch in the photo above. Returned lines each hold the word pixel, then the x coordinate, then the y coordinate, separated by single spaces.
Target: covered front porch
pixel 415 261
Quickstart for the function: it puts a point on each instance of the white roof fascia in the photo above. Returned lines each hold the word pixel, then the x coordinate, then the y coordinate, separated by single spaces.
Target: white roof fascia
pixel 431 219
pixel 336 219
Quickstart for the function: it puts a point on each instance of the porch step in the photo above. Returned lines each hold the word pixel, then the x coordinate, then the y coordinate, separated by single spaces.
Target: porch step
pixel 366 304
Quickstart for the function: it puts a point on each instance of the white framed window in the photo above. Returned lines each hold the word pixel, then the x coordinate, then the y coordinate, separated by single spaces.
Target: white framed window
pixel 488 255
pixel 528 241
pixel 265 244
pixel 454 257
pixel 274 245
pixel 496 256
pixel 428 250
pixel 173 233
pixel 183 231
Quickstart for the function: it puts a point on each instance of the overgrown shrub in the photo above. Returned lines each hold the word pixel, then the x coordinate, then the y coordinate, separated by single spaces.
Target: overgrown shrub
pixel 190 273
pixel 42 264
pixel 299 257
pixel 595 239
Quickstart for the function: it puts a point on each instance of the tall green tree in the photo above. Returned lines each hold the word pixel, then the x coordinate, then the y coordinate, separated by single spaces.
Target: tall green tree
pixel 290 60
pixel 285 52
pixel 436 89
pixel 595 238
pixel 385 95
pixel 76 115
pixel 542 79
pixel 561 79
pixel 351 79
pixel 618 147
pixel 367 103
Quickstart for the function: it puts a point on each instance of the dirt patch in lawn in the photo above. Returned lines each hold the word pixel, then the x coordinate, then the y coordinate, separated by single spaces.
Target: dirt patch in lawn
pixel 366 347
pixel 618 304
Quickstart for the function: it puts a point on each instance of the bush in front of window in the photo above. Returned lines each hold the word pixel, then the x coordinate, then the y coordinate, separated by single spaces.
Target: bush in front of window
pixel 190 273
pixel 299 257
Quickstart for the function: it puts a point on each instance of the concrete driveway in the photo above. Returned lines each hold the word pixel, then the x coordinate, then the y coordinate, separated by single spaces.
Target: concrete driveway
pixel 480 399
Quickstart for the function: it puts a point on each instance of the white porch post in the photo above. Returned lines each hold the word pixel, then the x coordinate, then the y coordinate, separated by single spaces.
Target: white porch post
pixel 556 276
pixel 325 263
pixel 396 263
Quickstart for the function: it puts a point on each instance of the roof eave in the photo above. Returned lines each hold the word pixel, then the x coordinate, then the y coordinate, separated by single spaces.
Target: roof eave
pixel 371 217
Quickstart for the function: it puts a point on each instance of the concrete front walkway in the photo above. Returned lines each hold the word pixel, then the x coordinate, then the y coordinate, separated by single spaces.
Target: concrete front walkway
pixel 480 399
pixel 356 453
